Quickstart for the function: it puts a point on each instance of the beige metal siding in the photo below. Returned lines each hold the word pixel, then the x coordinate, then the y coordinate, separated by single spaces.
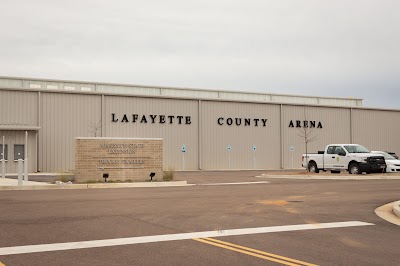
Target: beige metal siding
pixel 377 130
pixel 32 83
pixel 18 108
pixel 11 83
pixel 294 99
pixel 173 135
pixel 340 102
pixel 64 117
pixel 216 138
pixel 242 96
pixel 18 137
pixel 178 93
pixel 128 89
pixel 336 129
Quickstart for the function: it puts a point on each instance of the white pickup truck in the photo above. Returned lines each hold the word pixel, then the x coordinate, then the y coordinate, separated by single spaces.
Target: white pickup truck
pixel 353 158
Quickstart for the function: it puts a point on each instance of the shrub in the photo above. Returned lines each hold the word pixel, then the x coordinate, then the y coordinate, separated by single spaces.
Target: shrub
pixel 65 177
pixel 168 175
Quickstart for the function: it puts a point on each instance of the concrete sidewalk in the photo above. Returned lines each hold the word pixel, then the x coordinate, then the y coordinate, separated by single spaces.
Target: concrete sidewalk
pixel 38 177
pixel 14 182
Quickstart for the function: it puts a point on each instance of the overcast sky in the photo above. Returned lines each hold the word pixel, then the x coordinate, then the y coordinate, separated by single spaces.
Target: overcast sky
pixel 321 48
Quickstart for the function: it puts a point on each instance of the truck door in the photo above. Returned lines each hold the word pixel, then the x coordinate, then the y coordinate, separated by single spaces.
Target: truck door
pixel 330 157
pixel 340 159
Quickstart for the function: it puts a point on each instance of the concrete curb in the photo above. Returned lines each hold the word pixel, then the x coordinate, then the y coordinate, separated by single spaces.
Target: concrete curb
pixel 386 212
pixel 335 177
pixel 139 184
pixel 98 185
pixel 396 208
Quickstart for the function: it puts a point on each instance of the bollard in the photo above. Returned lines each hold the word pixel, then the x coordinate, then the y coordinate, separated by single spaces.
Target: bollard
pixel 20 170
pixel 3 168
pixel 26 169
pixel 3 162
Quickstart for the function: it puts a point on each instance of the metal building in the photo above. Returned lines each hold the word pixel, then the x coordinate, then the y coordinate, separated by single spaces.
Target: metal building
pixel 219 129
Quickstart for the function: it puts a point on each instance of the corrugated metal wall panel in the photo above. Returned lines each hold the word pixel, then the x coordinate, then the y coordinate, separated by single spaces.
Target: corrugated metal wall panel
pixel 294 99
pixel 11 83
pixel 174 135
pixel 64 117
pixel 128 89
pixel 377 130
pixel 174 92
pixel 216 138
pixel 189 93
pixel 337 102
pixel 18 137
pixel 18 108
pixel 240 96
pixel 336 129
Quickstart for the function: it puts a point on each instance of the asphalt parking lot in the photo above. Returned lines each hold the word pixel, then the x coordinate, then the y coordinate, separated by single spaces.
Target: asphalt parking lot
pixel 262 221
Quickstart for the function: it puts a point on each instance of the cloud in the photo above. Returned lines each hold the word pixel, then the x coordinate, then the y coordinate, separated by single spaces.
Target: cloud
pixel 340 48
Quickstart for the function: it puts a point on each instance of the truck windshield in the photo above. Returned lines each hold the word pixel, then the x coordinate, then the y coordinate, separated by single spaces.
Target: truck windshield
pixel 356 149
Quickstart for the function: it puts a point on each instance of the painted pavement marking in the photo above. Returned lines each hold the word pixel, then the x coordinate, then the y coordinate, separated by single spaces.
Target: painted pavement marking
pixel 171 237
pixel 254 252
pixel 238 183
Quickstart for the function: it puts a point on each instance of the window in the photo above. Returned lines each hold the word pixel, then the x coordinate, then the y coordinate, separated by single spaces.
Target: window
pixel 356 149
pixel 19 150
pixel 331 150
pixel 86 89
pixel 52 87
pixel 339 150
pixel 35 86
pixel 5 152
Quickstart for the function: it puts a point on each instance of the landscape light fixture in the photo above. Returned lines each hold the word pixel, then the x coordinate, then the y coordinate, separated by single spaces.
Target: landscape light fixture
pixel 152 175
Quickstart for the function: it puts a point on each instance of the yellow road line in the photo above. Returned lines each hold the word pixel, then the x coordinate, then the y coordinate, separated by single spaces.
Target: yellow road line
pixel 1 264
pixel 261 252
pixel 253 252
pixel 245 252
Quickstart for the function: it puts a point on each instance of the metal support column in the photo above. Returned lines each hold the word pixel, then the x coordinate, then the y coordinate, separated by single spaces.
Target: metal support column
pixel 199 136
pixel 3 162
pixel 281 136
pixel 351 126
pixel 26 164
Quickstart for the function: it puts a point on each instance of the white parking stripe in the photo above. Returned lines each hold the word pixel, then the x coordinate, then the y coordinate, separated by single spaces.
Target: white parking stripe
pixel 171 237
pixel 238 183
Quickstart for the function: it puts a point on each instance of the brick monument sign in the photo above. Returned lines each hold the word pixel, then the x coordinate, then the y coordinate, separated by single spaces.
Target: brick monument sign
pixel 120 158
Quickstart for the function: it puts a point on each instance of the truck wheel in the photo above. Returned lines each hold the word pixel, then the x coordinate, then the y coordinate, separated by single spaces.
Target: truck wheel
pixel 312 167
pixel 354 169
